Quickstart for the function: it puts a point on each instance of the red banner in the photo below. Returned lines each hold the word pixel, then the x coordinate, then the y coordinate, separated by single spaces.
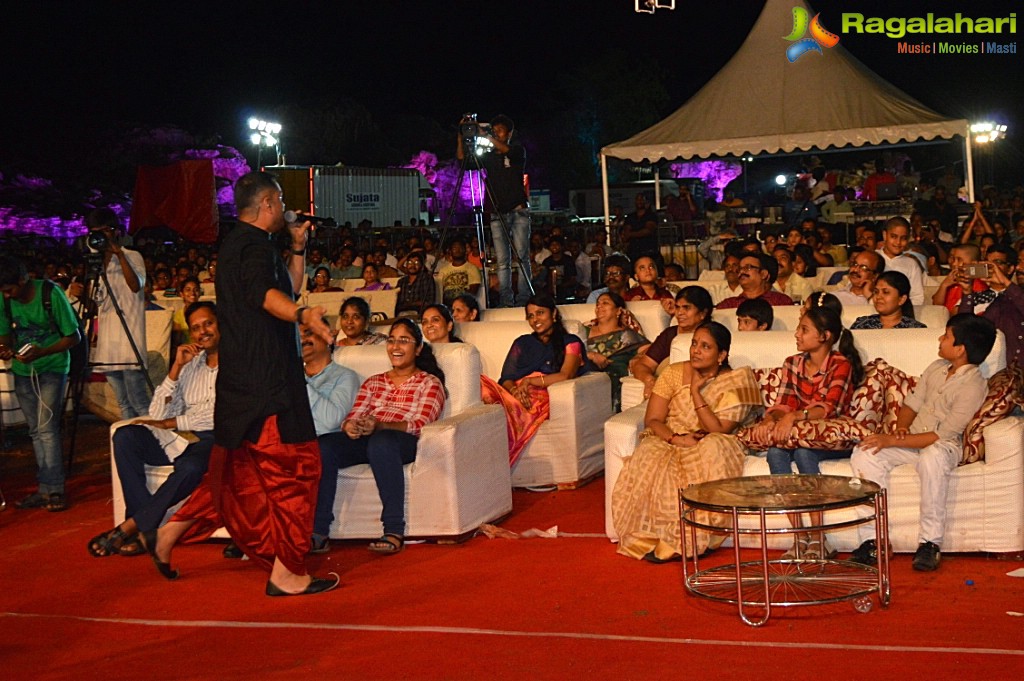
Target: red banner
pixel 182 196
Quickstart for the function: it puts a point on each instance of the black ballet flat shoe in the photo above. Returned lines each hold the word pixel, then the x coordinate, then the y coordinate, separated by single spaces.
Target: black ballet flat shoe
pixel 319 585
pixel 653 558
pixel 233 552
pixel 149 542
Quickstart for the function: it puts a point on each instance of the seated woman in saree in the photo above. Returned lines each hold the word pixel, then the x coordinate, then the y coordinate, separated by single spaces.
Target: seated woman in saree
pixel 371 279
pixel 694 408
pixel 693 306
pixel 536 361
pixel 354 321
pixel 610 344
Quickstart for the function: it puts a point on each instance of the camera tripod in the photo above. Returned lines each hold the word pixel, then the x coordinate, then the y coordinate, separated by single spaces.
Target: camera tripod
pixel 525 278
pixel 97 273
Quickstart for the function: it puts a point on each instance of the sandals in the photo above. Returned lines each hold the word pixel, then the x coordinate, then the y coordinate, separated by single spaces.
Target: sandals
pixel 57 503
pixel 798 550
pixel 132 547
pixel 819 550
pixel 51 502
pixel 388 544
pixel 108 543
pixel 34 500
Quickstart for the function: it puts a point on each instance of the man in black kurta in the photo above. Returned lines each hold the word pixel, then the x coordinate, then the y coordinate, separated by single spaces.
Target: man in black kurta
pixel 265 465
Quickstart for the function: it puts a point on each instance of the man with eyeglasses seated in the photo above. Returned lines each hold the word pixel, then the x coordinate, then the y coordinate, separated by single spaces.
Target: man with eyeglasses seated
pixel 758 272
pixel 865 267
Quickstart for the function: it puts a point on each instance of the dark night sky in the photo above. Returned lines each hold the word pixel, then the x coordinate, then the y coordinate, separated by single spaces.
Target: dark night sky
pixel 73 69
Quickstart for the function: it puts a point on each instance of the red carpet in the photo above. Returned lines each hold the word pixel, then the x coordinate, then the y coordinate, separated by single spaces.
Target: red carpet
pixel 486 609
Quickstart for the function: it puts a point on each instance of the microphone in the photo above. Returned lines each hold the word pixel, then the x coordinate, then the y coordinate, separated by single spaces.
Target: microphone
pixel 292 218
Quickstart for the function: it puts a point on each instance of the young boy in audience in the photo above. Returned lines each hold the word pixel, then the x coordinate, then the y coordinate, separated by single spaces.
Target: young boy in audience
pixel 928 434
pixel 754 314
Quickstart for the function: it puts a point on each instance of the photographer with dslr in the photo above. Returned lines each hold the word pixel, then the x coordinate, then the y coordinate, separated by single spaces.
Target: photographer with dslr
pixel 504 161
pixel 121 285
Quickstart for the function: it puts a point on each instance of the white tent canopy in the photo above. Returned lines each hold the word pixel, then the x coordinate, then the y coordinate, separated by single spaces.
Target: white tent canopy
pixel 759 102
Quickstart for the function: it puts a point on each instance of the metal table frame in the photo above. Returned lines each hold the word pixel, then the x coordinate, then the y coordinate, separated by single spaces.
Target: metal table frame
pixel 762 584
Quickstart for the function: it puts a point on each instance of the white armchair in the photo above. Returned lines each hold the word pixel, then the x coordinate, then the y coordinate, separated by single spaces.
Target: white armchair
pixel 460 478
pixel 568 448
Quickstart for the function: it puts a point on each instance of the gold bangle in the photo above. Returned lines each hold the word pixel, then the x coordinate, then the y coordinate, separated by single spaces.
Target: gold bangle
pixel 543 383
pixel 703 406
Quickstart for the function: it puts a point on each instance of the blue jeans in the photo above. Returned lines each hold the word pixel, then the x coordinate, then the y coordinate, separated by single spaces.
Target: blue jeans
pixel 780 460
pixel 42 400
pixel 387 452
pixel 518 222
pixel 131 391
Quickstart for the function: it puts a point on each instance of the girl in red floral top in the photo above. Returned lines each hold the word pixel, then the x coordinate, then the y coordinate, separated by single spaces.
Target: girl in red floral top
pixel 817 383
pixel 383 430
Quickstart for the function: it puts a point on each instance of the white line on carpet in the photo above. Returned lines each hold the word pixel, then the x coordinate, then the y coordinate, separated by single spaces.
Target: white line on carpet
pixel 228 624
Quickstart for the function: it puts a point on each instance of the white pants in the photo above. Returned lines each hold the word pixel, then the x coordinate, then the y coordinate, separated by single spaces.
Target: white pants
pixel 934 464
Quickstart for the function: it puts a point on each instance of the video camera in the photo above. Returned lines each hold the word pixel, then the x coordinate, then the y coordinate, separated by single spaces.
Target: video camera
pixel 475 135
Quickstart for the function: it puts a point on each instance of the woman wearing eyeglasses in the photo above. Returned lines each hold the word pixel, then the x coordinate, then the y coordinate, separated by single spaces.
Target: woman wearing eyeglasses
pixel 383 430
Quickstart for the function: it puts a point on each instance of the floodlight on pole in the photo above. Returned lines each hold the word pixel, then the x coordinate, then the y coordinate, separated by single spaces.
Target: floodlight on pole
pixel 987 132
pixel 265 133
pixel 780 180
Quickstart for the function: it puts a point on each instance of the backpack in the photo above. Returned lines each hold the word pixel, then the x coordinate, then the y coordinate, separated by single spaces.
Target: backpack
pixel 80 351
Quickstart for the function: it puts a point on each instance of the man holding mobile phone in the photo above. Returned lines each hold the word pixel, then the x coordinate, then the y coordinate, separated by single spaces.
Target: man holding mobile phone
pixel 42 334
pixel 1006 308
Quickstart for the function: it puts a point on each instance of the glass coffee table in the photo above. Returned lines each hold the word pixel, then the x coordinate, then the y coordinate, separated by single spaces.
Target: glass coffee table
pixel 755 586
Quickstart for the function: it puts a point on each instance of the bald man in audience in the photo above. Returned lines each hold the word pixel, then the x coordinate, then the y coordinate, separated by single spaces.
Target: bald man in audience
pixel 865 267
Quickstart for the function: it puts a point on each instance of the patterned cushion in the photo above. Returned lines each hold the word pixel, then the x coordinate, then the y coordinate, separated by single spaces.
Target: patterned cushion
pixel 770 381
pixel 1005 389
pixel 834 434
pixel 898 385
pixel 869 398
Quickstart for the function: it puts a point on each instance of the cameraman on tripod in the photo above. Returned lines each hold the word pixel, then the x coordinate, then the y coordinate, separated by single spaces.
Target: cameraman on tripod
pixel 507 202
pixel 121 338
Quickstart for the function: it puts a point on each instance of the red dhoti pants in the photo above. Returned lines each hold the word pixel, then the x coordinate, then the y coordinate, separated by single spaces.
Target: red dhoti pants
pixel 264 493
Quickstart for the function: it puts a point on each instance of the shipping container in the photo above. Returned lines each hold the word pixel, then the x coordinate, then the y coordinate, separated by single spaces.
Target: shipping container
pixel 349 194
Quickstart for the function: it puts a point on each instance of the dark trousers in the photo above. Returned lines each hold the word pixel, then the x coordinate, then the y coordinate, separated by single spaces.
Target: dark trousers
pixel 387 451
pixel 134 448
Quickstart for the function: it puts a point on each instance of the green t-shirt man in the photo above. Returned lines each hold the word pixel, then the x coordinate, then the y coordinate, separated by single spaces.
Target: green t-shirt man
pixel 33 325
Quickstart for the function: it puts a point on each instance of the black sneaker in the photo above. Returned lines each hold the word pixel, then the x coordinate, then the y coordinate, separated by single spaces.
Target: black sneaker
pixel 926 558
pixel 866 553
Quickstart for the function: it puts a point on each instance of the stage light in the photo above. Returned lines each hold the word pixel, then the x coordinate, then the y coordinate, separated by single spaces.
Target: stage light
pixel 986 132
pixel 780 180
pixel 266 134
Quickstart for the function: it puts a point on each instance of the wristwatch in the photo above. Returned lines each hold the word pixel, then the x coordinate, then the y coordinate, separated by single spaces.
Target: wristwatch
pixel 300 310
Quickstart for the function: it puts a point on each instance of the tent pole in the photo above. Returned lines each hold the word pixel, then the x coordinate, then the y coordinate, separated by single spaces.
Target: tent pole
pixel 657 188
pixel 604 195
pixel 969 165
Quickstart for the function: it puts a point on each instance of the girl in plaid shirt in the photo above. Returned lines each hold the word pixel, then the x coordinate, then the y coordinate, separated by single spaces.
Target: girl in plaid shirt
pixel 817 383
pixel 383 430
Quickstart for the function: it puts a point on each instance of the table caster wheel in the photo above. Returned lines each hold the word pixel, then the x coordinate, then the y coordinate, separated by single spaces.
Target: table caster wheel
pixel 863 604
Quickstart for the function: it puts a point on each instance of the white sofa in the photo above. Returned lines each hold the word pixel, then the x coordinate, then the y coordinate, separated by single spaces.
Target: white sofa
pixel 986 499
pixel 787 317
pixel 567 448
pixel 649 313
pixel 459 480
